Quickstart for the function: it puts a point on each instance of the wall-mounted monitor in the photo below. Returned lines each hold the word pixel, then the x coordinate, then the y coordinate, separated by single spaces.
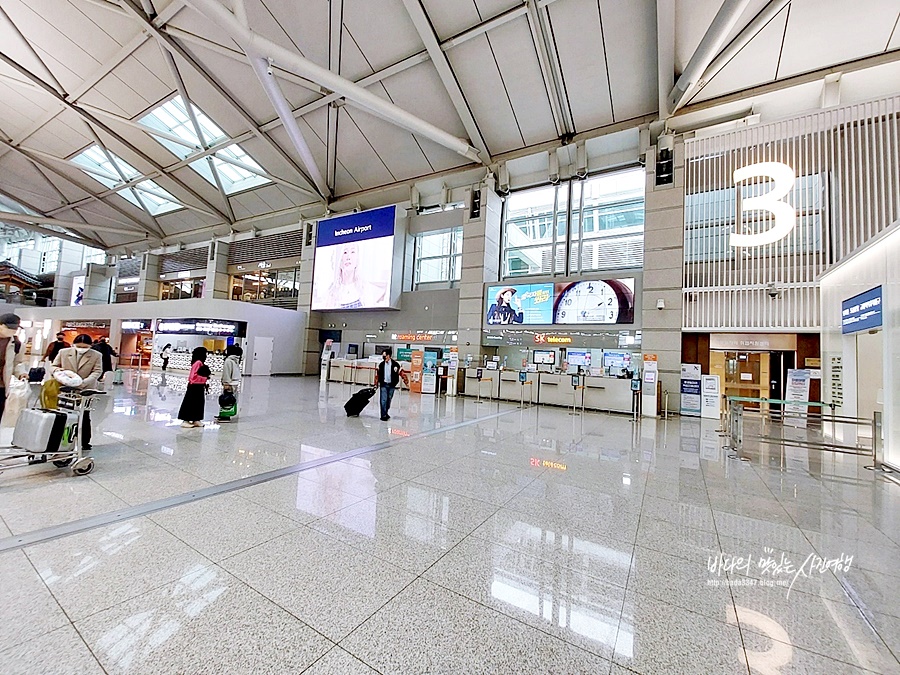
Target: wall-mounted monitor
pixel 543 357
pixel 579 357
pixel 354 261
pixel 603 301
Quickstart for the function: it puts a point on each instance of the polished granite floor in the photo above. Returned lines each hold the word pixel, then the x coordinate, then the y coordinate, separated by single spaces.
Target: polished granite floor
pixel 471 538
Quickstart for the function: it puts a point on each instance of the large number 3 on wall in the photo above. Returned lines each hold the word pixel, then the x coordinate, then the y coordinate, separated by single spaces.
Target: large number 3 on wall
pixel 784 214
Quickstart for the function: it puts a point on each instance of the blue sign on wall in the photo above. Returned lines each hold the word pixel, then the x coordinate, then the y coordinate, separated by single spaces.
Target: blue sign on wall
pixel 862 312
pixel 356 227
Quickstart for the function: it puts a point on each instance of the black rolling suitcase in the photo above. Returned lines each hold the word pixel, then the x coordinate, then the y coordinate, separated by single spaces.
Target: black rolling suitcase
pixel 358 401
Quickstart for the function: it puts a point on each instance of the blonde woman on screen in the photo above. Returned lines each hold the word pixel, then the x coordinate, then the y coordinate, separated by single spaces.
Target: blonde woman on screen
pixel 348 290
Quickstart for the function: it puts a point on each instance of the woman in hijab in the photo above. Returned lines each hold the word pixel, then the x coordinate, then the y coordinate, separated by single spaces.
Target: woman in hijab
pixel 191 411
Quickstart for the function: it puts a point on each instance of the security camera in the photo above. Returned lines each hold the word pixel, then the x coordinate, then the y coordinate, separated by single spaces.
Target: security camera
pixel 773 291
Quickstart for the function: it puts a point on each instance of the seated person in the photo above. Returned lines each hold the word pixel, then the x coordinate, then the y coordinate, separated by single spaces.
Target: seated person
pixel 88 364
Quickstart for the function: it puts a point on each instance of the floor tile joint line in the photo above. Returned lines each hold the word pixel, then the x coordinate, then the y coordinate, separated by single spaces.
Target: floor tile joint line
pixel 43 535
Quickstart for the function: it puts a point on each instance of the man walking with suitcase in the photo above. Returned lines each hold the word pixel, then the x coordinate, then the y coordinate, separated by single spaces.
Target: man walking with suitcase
pixel 11 357
pixel 387 377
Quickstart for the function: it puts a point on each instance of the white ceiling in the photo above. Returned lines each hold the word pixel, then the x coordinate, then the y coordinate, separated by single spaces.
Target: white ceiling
pixel 522 80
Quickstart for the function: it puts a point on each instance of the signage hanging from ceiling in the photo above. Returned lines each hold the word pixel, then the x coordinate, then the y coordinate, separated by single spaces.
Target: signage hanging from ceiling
pixel 354 261
pixel 862 312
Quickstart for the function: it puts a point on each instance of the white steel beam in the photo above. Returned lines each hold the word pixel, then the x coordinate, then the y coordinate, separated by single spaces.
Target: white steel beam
pixel 167 42
pixel 750 31
pixel 28 218
pixel 336 31
pixel 555 92
pixel 256 44
pixel 665 50
pixel 445 72
pixel 706 51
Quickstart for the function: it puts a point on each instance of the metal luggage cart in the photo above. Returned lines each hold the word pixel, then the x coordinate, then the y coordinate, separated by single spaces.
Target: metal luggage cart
pixel 70 453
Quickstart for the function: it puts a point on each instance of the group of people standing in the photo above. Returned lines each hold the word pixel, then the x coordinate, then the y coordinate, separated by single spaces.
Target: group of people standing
pixel 193 405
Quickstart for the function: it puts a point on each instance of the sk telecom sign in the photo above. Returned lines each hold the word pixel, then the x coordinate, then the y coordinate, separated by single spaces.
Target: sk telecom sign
pixel 784 215
pixel 544 339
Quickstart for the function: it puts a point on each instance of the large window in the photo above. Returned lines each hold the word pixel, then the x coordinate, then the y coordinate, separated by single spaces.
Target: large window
pixel 107 169
pixel 183 288
pixel 709 219
pixel 606 230
pixel 270 287
pixel 235 168
pixel 438 257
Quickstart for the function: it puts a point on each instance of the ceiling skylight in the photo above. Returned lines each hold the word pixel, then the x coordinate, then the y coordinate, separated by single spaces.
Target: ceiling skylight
pixel 236 169
pixel 98 166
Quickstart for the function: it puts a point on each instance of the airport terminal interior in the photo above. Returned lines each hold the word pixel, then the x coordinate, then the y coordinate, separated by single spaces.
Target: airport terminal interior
pixel 449 336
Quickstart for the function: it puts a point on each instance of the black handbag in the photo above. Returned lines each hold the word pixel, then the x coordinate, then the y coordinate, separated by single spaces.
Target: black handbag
pixel 36 374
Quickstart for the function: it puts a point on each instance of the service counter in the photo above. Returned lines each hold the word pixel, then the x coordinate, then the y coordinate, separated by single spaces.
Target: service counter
pixel 556 390
pixel 182 361
pixel 489 387
pixel 607 393
pixel 512 390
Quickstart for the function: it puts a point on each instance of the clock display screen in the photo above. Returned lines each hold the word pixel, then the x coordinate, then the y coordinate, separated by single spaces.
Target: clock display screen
pixel 606 301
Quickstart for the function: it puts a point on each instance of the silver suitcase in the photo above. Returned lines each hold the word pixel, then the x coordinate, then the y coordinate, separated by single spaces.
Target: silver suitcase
pixel 40 431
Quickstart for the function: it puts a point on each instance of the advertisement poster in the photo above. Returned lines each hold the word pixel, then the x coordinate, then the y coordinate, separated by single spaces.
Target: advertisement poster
pixel 711 400
pixel 602 301
pixel 415 372
pixel 690 389
pixel 78 291
pixel 404 354
pixel 797 389
pixel 429 372
pixel 523 304
pixel 354 261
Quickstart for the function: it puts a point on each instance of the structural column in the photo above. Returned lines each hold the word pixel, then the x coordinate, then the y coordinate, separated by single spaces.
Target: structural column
pixel 312 348
pixel 148 283
pixel 99 284
pixel 664 273
pixel 480 264
pixel 217 280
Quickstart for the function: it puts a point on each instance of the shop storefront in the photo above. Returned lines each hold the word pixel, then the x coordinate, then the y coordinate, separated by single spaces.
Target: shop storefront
pixel 185 335
pixel 136 343
pixel 96 329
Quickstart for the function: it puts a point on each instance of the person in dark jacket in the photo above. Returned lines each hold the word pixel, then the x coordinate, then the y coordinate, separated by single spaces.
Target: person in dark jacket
pixel 107 352
pixel 387 377
pixel 54 348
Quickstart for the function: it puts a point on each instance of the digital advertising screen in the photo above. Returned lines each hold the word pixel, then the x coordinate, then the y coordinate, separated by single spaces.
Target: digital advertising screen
pixel 544 357
pixel 579 357
pixel 603 301
pixel 354 261
pixel 519 304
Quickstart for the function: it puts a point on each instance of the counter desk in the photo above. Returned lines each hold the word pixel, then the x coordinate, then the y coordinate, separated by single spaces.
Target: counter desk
pixel 607 393
pixel 182 361
pixel 489 388
pixel 511 389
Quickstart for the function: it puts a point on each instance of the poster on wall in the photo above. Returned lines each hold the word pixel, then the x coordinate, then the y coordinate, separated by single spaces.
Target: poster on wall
pixel 78 291
pixel 524 304
pixel 354 261
pixel 690 389
pixel 604 301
